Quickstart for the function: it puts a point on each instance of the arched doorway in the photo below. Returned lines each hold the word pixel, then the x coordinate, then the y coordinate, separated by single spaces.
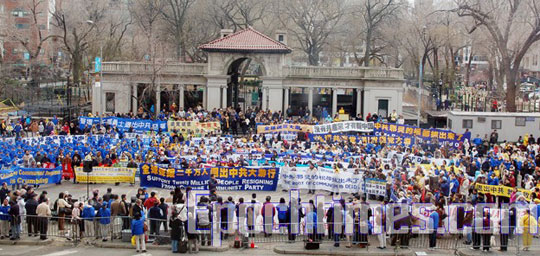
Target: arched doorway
pixel 244 86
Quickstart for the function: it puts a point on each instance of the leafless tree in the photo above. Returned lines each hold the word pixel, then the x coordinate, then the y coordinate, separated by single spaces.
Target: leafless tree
pixel 311 23
pixel 374 14
pixel 175 14
pixel 76 22
pixel 513 25
pixel 34 37
pixel 236 14
pixel 147 14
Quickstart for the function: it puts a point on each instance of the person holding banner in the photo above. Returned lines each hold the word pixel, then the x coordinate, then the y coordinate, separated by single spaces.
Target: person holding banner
pixel 312 170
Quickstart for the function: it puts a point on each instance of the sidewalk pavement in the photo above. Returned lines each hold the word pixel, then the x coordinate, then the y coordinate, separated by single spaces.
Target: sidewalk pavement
pixel 123 245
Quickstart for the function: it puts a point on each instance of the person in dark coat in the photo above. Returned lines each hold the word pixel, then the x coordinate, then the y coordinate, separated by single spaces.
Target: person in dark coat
pixel 176 231
pixel 14 213
pixel 155 215
pixel 31 206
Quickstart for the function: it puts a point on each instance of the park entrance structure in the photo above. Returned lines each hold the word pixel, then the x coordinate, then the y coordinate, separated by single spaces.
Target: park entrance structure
pixel 249 69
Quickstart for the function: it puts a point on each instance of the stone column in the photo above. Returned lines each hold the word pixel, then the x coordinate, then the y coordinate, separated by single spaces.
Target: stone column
pixel 264 98
pixel 213 93
pixel 181 89
pixel 157 106
pixel 286 101
pixel 310 100
pixel 224 96
pixel 359 101
pixel 334 102
pixel 134 99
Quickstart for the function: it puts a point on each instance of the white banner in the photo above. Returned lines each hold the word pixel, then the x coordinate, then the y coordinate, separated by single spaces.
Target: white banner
pixel 320 179
pixel 347 126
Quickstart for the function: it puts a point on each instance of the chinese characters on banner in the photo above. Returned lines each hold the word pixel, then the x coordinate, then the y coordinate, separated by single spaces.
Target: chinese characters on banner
pixel 500 190
pixel 284 128
pixel 427 135
pixel 364 139
pixel 347 126
pixel 106 175
pixel 193 127
pixel 229 178
pixel 124 124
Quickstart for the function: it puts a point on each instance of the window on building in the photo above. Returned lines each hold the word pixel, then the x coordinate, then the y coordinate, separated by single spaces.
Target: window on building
pixel 535 60
pixel 22 26
pixel 42 27
pixel 109 102
pixel 467 123
pixel 520 121
pixel 449 123
pixel 281 38
pixel 496 124
pixel 18 12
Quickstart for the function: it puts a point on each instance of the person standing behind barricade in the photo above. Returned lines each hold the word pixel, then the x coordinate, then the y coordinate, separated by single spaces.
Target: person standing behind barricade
pixel 118 210
pixel 104 214
pixel 527 221
pixel 63 208
pixel 433 226
pixel 125 212
pixel 282 210
pixel 31 206
pixel 204 218
pixel 4 219
pixel 76 217
pixel 88 214
pixel 164 214
pixel 44 213
pixel 155 215
pixel 268 212
pixel 15 220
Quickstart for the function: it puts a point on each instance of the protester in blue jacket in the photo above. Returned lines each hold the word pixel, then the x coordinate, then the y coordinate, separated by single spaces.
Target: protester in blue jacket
pixel 88 214
pixel 137 230
pixel 104 214
pixel 4 219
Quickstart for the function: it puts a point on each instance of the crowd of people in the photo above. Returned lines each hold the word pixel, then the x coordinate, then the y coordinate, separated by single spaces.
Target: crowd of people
pixel 446 175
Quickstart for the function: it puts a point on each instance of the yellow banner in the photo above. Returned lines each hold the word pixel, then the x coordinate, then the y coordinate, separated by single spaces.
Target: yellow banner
pixel 106 175
pixel 193 127
pixel 285 128
pixel 501 190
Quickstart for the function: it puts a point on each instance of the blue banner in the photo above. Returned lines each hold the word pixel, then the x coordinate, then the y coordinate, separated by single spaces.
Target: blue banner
pixel 364 139
pixel 424 135
pixel 124 124
pixel 229 178
pixel 31 176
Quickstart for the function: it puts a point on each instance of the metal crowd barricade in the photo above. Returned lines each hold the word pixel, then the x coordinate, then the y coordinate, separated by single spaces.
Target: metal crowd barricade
pixel 119 228
pixel 49 227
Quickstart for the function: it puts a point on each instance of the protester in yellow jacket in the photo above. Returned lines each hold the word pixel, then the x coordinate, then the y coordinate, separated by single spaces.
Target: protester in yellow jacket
pixel 526 222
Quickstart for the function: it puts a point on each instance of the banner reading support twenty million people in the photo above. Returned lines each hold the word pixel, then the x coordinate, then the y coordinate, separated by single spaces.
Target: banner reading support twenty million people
pixel 229 178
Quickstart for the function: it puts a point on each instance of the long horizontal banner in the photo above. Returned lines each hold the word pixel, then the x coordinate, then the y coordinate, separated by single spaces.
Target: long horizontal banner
pixel 364 139
pixel 399 130
pixel 124 124
pixel 500 190
pixel 284 128
pixel 31 176
pixel 106 175
pixel 193 127
pixel 347 126
pixel 327 179
pixel 229 178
